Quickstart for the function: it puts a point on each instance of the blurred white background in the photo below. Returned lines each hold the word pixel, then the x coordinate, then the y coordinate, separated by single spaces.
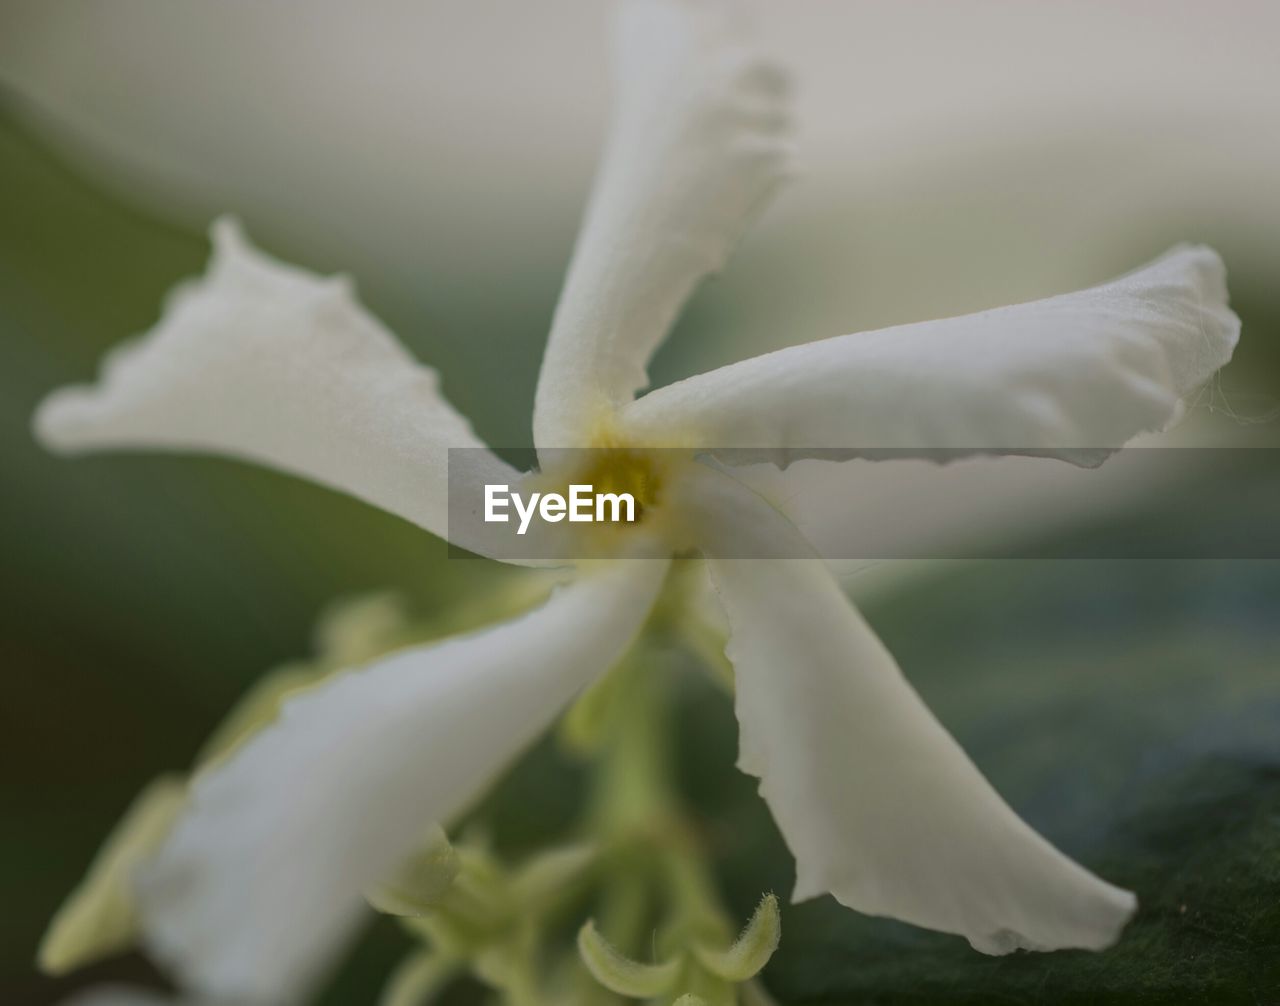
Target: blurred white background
pixel 954 155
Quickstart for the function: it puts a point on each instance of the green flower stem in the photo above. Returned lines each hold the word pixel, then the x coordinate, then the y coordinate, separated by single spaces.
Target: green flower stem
pixel 656 869
pixel 630 801
pixel 631 793
pixel 419 978
pixel 659 931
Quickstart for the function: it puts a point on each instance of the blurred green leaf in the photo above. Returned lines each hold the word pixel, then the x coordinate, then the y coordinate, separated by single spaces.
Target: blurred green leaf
pixel 1130 711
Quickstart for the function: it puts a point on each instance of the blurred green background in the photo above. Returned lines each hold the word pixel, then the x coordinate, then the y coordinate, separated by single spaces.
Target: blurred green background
pixel 1131 710
pixel 140 594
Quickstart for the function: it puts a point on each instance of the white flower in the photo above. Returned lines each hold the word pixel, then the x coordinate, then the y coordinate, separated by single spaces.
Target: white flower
pixel 261 879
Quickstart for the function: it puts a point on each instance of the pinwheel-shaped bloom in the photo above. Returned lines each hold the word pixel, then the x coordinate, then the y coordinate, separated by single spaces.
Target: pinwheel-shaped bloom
pixel 262 875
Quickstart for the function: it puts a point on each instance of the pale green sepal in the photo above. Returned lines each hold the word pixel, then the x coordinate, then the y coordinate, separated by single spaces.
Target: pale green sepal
pixel 417 979
pixel 619 973
pixel 585 726
pixel 689 999
pixel 355 630
pixel 752 950
pixel 546 876
pixel 99 918
pixel 510 967
pixel 421 881
pixel 753 994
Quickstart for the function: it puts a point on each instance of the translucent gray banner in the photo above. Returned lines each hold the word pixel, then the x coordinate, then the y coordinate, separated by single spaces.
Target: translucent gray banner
pixel 869 503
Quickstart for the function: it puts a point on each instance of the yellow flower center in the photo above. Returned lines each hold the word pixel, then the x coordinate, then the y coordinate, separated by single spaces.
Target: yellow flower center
pixel 623 470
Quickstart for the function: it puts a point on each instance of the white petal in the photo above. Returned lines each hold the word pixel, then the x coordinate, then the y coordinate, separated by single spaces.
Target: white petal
pixel 878 803
pixel 1085 370
pixel 696 148
pixel 263 879
pixel 266 362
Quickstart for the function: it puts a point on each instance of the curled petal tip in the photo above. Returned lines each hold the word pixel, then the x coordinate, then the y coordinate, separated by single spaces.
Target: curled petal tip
pixel 752 949
pixel 619 973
